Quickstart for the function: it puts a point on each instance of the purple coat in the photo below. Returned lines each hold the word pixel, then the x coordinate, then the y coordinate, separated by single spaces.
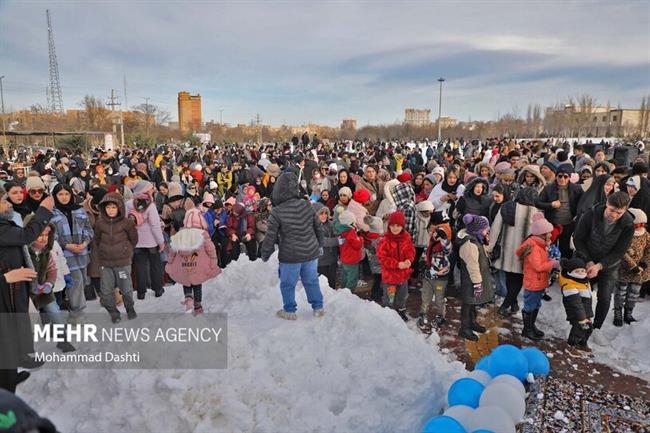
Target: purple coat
pixel 149 230
pixel 192 258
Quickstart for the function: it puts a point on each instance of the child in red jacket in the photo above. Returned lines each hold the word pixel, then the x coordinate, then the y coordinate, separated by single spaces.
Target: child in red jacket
pixel 350 249
pixel 396 253
pixel 537 268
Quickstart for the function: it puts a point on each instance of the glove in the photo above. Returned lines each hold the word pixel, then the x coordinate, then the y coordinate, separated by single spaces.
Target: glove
pixel 43 289
pixel 478 290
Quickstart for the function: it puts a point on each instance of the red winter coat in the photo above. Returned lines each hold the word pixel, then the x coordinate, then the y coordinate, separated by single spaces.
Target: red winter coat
pixel 391 250
pixel 537 265
pixel 351 251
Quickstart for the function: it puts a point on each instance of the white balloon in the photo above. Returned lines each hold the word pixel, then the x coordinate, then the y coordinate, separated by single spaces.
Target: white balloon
pixel 460 413
pixel 512 381
pixel 506 397
pixel 491 418
pixel 480 376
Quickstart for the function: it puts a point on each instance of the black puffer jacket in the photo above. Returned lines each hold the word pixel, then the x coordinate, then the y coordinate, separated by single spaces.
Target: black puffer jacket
pixel 293 224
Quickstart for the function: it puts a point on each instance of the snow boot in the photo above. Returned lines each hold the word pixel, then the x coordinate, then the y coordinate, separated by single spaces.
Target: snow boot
pixel 539 333
pixel 116 318
pixel 141 295
pixel 627 317
pixel 514 307
pixel 65 347
pixel 286 315
pixel 159 293
pixel 402 314
pixel 131 314
pixel 198 310
pixel 475 325
pixel 319 312
pixel 30 363
pixel 586 333
pixel 188 302
pixel 504 312
pixel 22 376
pixel 466 323
pixel 574 336
pixel 528 331
pixel 618 317
pixel 423 321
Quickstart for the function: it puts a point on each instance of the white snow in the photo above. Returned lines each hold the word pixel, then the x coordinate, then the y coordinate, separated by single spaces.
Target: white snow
pixel 626 349
pixel 357 369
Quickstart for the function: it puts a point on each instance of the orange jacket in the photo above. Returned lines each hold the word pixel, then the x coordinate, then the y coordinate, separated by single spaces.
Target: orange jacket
pixel 537 265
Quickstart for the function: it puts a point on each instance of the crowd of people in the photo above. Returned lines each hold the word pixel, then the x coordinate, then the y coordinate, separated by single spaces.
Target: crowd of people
pixel 385 220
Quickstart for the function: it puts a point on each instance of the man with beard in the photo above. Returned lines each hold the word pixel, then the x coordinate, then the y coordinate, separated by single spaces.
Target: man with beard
pixel 15 327
pixel 601 238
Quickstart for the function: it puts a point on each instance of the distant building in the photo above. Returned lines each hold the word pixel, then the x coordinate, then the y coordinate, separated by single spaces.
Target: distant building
pixel 415 117
pixel 596 121
pixel 448 122
pixel 349 124
pixel 189 112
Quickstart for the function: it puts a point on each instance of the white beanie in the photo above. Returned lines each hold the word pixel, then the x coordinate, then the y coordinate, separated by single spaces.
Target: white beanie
pixel 34 182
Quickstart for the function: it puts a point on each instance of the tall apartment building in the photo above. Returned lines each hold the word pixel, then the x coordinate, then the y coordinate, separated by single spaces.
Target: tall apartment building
pixel 189 112
pixel 415 117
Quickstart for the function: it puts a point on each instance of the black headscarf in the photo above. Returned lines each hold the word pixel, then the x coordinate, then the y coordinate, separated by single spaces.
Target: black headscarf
pixel 67 209
pixel 22 209
pixel 594 195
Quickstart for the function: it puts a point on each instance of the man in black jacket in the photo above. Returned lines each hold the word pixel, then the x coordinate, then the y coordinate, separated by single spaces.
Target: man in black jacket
pixel 15 327
pixel 559 201
pixel 162 174
pixel 295 227
pixel 601 238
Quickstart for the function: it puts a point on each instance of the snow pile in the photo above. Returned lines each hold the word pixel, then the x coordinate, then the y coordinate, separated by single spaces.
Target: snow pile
pixel 357 369
pixel 625 349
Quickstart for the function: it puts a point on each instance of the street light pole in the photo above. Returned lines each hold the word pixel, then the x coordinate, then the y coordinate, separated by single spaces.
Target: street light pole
pixel 440 80
pixel 4 128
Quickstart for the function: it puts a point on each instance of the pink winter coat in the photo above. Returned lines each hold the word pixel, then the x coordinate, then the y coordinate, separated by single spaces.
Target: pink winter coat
pixel 192 258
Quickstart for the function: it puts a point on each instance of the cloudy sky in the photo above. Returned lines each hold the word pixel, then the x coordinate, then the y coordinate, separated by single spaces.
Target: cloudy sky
pixel 302 61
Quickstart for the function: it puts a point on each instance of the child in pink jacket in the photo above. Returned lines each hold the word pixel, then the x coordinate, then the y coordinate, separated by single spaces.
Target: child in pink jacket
pixel 192 259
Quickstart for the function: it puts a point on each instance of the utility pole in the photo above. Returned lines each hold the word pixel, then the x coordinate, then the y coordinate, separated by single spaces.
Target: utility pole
pixel 146 115
pixel 259 130
pixel 126 101
pixel 440 80
pixel 113 103
pixel 4 127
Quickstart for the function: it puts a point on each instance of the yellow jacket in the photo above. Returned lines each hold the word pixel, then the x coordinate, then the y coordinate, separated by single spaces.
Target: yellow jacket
pixel 570 287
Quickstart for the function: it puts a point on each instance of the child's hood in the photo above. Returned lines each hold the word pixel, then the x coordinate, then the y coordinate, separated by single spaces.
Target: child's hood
pixel 116 199
pixel 187 240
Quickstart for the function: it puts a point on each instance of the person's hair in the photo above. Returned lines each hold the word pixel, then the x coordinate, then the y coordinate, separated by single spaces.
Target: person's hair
pixel 2 191
pixel 513 153
pixel 620 170
pixel 619 200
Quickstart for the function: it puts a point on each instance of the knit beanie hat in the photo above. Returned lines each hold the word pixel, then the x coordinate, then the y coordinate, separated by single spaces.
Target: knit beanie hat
pixel 475 224
pixel 565 168
pixel 551 165
pixel 424 206
pixel 34 182
pixel 175 190
pixel 24 418
pixel 347 218
pixel 97 195
pixel 231 201
pixel 500 167
pixel 213 185
pixel 361 196
pixel 540 225
pixel 142 188
pixel 397 219
pixel 346 191
pixel 640 220
pixel 570 265
pixel 440 171
pixel 468 176
pixel 375 223
pixel 405 177
pixel 508 174
pixel 273 170
pixel 194 220
pixel 640 168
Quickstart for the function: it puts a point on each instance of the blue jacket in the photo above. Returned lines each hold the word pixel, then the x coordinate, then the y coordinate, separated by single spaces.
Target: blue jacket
pixel 81 233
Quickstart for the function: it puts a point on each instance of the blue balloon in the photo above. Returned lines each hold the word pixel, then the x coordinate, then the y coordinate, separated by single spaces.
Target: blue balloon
pixel 508 359
pixel 443 424
pixel 483 364
pixel 465 391
pixel 538 362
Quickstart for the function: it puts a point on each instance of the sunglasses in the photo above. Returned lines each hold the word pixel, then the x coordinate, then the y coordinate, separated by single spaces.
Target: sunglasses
pixel 36 191
pixel 563 176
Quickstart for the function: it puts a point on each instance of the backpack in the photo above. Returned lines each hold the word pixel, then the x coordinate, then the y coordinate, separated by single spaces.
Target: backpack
pixel 178 216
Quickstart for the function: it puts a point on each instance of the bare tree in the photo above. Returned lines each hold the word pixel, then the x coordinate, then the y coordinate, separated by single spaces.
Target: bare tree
pixel 96 112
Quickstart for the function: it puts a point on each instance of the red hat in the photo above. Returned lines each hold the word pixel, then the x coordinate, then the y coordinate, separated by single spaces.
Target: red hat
pixel 361 196
pixel 397 218
pixel 405 177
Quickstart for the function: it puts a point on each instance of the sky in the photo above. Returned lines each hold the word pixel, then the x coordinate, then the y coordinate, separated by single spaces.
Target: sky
pixel 295 62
